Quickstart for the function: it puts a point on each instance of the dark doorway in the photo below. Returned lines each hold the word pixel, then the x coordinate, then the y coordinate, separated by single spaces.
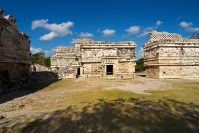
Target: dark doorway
pixel 109 70
pixel 78 71
pixel 4 76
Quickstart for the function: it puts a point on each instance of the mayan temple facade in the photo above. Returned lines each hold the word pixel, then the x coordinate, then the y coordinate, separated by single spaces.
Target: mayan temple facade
pixel 14 53
pixel 169 55
pixel 89 58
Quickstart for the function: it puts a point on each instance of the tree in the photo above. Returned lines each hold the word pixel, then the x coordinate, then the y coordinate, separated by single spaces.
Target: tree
pixel 140 65
pixel 39 58
pixel 47 61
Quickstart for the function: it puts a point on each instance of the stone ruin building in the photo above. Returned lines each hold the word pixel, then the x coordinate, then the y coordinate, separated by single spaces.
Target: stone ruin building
pixel 14 53
pixel 91 58
pixel 169 55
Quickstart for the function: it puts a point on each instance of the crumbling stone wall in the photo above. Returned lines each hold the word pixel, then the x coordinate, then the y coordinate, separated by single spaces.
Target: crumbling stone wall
pixel 90 58
pixel 14 54
pixel 168 55
pixel 125 70
pixel 65 61
pixel 39 68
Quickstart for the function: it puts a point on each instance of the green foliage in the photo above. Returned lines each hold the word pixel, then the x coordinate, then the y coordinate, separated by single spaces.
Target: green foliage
pixel 47 61
pixel 140 65
pixel 39 58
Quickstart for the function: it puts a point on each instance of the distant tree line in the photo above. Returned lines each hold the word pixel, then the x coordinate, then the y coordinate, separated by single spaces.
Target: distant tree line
pixel 139 67
pixel 39 58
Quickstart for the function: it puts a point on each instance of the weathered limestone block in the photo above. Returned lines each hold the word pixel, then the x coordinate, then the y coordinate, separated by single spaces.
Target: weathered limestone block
pixel 14 55
pixel 91 58
pixel 39 68
pixel 168 55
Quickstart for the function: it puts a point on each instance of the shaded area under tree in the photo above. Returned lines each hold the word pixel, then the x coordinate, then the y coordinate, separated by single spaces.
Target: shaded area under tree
pixel 37 81
pixel 135 115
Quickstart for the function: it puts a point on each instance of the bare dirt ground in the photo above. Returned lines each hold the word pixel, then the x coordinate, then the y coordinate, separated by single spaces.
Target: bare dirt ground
pixel 64 93
pixel 55 93
pixel 139 85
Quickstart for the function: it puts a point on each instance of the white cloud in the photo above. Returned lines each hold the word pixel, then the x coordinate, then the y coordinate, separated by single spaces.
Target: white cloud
pixel 35 50
pixel 146 31
pixel 48 36
pixel 191 29
pixel 39 50
pixel 133 30
pixel 108 32
pixel 39 23
pixel 62 29
pixel 188 26
pixel 184 24
pixel 158 23
pixel 85 35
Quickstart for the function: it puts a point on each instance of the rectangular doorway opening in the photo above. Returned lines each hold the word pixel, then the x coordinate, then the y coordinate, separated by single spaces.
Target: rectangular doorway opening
pixel 78 72
pixel 109 70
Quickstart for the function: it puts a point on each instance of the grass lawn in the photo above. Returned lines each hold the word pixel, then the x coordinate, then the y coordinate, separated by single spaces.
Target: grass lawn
pixel 79 107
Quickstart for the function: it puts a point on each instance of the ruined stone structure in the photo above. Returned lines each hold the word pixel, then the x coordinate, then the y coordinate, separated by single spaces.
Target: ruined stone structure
pixel 91 58
pixel 169 55
pixel 14 53
pixel 39 68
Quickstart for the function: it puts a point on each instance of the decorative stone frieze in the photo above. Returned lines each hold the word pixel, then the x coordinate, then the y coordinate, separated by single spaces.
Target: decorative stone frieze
pixel 91 58
pixel 169 55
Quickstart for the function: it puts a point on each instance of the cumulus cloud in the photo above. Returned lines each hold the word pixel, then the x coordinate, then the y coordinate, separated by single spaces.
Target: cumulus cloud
pixel 39 50
pixel 184 24
pixel 188 26
pixel 158 23
pixel 48 36
pixel 191 29
pixel 85 35
pixel 39 23
pixel 56 30
pixel 146 31
pixel 36 50
pixel 133 30
pixel 108 32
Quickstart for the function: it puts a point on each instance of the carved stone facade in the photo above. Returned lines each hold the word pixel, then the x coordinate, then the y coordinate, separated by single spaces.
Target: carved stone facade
pixel 168 55
pixel 91 58
pixel 14 53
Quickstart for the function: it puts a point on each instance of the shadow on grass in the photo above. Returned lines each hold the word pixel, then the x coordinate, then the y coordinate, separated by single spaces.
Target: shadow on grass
pixel 37 81
pixel 121 116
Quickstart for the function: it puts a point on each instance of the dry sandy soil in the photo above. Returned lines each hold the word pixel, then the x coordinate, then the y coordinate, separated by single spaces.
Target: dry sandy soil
pixel 54 94
pixel 17 107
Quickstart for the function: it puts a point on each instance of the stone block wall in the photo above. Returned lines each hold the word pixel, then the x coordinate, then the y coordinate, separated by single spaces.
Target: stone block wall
pixel 14 54
pixel 152 71
pixel 179 72
pixel 168 55
pixel 126 70
pixel 92 57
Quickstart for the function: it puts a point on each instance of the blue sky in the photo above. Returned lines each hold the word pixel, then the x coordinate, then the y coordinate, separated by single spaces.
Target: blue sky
pixel 50 23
